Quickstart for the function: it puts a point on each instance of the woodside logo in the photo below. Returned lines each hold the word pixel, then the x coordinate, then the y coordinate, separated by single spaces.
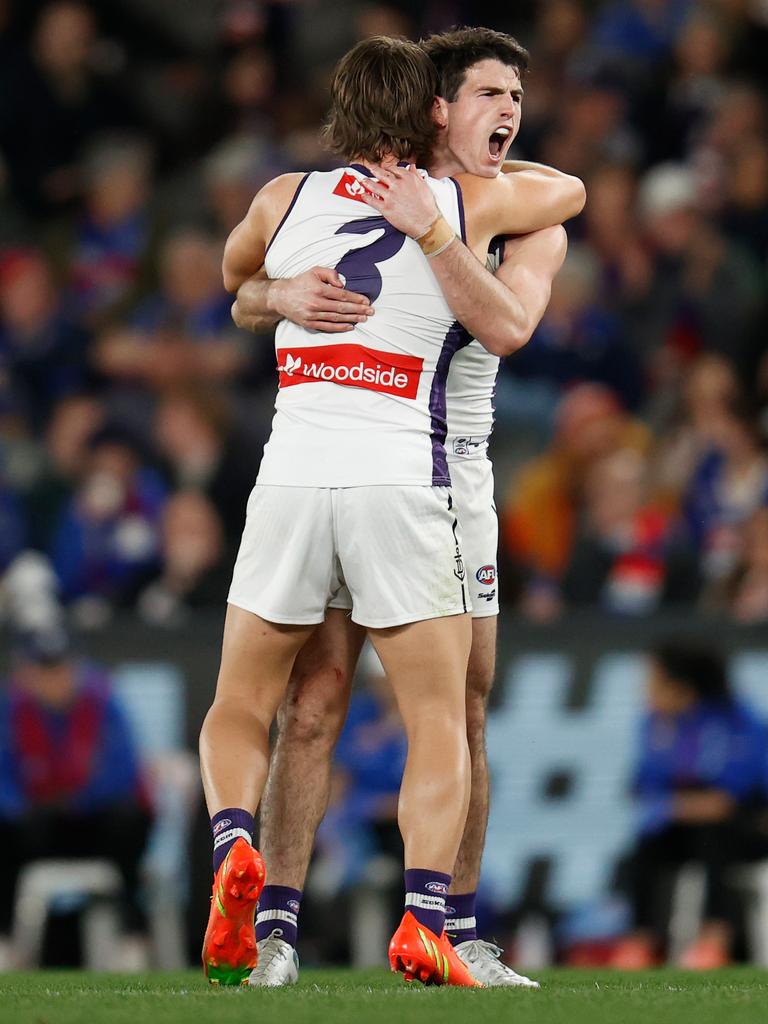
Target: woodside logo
pixel 353 366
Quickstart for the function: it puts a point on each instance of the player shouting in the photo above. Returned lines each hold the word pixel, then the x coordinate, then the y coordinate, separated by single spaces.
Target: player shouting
pixel 477 69
pixel 353 488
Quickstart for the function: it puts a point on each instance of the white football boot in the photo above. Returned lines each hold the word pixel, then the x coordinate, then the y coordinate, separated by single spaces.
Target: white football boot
pixel 484 961
pixel 278 963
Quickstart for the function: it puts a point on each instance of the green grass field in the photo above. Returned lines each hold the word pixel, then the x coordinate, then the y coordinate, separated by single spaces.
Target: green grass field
pixel 737 996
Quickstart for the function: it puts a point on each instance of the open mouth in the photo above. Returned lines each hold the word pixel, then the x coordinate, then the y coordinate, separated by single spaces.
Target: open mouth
pixel 497 142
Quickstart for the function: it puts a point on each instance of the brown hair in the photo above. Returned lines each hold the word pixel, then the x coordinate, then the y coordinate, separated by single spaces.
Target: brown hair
pixel 382 95
pixel 457 50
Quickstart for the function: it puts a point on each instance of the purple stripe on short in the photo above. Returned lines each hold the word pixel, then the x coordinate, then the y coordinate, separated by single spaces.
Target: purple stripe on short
pixel 456 338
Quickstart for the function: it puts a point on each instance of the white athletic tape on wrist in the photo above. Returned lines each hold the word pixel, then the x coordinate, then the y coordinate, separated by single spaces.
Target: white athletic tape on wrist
pixel 460 924
pixel 420 899
pixel 230 835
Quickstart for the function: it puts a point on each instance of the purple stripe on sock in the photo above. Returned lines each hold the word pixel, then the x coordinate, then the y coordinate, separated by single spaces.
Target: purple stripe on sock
pixel 460 907
pixel 278 911
pixel 227 827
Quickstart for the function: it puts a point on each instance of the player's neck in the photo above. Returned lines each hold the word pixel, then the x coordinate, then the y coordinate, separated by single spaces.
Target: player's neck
pixel 443 163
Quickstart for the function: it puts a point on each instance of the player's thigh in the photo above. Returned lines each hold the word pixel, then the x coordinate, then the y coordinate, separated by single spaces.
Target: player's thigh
pixel 400 554
pixel 318 693
pixel 287 566
pixel 472 488
pixel 481 668
pixel 426 664
pixel 256 660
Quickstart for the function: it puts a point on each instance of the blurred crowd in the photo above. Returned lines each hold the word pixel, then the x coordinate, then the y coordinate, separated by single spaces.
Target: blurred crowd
pixel 631 430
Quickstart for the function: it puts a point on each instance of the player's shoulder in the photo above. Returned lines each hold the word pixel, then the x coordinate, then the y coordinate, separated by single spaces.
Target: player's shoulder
pixel 282 187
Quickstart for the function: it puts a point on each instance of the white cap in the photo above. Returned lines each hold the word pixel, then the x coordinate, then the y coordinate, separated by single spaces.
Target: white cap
pixel 667 188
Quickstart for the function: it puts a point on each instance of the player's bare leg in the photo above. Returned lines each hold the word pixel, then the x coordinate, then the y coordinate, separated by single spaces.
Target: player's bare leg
pixel 482 957
pixel 310 719
pixel 426 664
pixel 256 662
pixel 480 675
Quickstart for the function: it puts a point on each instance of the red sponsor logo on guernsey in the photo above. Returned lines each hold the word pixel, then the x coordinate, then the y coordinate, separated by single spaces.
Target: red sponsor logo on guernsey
pixel 351 366
pixel 350 187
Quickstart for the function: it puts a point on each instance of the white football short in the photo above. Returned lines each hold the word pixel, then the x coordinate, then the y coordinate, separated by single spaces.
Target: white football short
pixel 397 550
pixel 472 490
pixel 474 504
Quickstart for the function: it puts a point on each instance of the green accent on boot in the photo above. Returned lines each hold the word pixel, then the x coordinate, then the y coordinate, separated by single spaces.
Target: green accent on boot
pixel 226 975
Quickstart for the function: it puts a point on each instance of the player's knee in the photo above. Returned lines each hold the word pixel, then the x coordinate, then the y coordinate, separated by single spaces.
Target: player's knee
pixel 477 706
pixel 314 716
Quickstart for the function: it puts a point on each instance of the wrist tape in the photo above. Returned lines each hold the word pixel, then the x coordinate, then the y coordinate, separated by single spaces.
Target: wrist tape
pixel 437 238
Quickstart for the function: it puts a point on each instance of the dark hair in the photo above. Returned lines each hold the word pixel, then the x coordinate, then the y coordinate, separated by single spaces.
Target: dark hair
pixel 382 96
pixel 455 51
pixel 699 668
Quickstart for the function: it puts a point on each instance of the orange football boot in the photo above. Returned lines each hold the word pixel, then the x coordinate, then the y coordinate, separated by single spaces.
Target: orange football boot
pixel 420 955
pixel 229 947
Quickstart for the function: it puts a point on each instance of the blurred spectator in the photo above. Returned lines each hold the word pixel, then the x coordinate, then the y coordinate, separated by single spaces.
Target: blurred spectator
pixel 41 350
pixel 701 399
pixel 72 424
pixel 194 572
pixel 195 432
pixel 184 333
pixel 106 249
pixel 53 99
pixel 729 484
pixel 70 781
pixel 743 593
pixel 700 772
pixel 704 290
pixel 578 339
pixel 744 216
pixel 541 510
pixel 12 526
pixel 626 558
pixel 106 544
pixel 234 173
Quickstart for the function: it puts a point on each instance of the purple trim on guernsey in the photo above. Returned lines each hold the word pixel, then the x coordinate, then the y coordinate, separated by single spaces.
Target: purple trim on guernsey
pixel 496 247
pixel 362 170
pixel 456 338
pixel 291 205
pixel 460 201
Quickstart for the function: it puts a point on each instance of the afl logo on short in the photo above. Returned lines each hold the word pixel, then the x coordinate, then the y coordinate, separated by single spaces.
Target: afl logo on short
pixel 486 575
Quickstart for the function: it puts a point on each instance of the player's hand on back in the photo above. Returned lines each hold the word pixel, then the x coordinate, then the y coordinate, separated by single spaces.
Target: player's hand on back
pixel 402 196
pixel 316 300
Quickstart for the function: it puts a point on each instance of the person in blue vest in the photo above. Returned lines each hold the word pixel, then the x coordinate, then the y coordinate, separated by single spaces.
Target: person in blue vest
pixel 699 783
pixel 71 784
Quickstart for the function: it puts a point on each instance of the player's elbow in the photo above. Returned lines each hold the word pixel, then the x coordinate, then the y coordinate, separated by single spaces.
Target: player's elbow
pixel 576 195
pixel 510 336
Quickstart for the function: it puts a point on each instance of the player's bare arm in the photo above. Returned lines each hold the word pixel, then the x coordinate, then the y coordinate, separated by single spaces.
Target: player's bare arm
pixel 247 244
pixel 316 300
pixel 501 317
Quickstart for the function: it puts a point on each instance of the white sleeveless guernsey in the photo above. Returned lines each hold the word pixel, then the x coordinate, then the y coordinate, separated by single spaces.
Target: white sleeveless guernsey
pixel 368 406
pixel 471 389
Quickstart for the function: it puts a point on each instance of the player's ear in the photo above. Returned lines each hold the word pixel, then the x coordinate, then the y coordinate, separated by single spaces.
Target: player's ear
pixel 440 112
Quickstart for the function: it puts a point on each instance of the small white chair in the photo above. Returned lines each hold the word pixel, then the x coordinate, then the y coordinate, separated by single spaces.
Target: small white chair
pixel 44 883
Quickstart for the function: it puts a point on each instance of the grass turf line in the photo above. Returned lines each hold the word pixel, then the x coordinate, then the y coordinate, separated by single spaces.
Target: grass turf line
pixel 734 996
